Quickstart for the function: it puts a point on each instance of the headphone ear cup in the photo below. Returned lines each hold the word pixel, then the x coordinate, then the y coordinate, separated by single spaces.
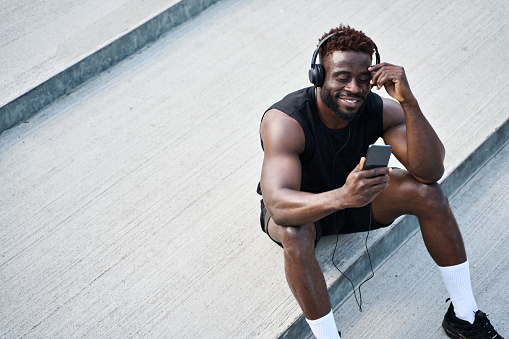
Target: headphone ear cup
pixel 312 75
pixel 320 74
pixel 317 75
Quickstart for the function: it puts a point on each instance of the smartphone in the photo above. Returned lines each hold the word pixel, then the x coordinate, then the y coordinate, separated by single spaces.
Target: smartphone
pixel 378 156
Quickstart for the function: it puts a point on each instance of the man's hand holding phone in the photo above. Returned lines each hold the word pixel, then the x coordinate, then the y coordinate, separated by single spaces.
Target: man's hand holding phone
pixel 369 178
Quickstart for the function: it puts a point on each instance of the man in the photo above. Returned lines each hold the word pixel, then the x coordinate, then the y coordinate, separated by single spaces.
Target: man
pixel 313 184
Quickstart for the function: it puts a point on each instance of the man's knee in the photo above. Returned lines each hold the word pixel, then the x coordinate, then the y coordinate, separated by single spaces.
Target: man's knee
pixel 407 195
pixel 430 197
pixel 299 240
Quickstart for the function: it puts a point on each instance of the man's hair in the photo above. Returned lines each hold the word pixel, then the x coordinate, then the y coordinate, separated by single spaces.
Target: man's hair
pixel 350 40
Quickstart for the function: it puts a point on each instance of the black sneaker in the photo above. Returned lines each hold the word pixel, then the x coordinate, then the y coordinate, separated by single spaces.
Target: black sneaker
pixel 457 328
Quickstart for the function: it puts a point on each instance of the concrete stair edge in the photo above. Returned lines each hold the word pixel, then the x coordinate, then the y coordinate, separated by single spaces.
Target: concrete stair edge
pixel 76 75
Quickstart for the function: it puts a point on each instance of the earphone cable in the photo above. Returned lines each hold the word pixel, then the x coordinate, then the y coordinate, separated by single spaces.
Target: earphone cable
pixel 333 158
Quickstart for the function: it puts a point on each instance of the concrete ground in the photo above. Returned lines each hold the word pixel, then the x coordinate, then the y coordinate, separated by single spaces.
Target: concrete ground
pixel 51 48
pixel 39 39
pixel 128 208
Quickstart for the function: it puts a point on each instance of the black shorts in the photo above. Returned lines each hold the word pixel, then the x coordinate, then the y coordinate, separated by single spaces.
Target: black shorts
pixel 350 220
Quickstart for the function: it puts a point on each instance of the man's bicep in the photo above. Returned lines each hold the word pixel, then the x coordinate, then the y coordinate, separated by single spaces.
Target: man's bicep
pixel 281 171
pixel 395 129
pixel 283 140
pixel 396 137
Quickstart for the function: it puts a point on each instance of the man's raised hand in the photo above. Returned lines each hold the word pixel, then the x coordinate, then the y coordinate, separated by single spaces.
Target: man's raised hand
pixel 394 79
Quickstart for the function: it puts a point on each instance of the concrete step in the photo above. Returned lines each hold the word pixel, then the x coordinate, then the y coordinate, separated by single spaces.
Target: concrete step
pixel 50 48
pixel 128 208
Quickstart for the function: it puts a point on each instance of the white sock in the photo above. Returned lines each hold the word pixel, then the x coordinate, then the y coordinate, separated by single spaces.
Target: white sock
pixel 324 327
pixel 457 282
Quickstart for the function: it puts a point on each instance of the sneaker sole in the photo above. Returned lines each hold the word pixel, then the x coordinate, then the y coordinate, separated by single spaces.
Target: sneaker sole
pixel 451 334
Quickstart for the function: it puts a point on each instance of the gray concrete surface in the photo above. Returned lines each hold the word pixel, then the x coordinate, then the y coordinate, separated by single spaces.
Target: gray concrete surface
pixel 128 208
pixel 50 48
pixel 40 39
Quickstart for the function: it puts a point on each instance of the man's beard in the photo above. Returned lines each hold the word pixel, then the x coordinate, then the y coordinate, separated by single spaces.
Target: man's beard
pixel 328 100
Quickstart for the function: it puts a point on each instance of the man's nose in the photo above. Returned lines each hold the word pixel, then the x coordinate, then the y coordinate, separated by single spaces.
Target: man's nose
pixel 353 87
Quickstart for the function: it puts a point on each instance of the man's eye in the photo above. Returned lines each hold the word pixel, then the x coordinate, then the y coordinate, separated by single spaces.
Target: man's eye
pixel 342 79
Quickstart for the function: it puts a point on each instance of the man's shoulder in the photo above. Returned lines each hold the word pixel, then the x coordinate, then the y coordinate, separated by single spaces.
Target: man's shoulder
pixel 281 131
pixel 298 106
pixel 295 100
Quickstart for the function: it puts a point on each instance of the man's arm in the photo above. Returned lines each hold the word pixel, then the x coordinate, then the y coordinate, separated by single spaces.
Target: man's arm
pixel 283 141
pixel 415 143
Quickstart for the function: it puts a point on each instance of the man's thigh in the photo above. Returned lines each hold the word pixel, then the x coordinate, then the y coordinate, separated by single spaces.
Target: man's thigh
pixel 404 195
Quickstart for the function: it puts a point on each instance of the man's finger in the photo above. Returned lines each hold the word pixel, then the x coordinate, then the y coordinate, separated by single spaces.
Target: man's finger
pixel 379 180
pixel 380 171
pixel 360 166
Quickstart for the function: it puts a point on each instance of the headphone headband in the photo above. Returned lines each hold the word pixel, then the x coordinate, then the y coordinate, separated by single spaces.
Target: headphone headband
pixel 317 72
pixel 315 53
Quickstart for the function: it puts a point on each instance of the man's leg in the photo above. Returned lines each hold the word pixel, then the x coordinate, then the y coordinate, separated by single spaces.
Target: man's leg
pixel 439 229
pixel 305 276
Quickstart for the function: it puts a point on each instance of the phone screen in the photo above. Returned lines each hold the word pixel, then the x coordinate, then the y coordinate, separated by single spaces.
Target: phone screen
pixel 378 156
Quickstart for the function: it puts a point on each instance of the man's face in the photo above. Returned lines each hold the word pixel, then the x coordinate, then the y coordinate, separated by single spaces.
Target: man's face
pixel 346 84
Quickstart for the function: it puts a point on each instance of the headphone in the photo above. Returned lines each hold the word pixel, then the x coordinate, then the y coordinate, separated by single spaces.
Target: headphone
pixel 317 72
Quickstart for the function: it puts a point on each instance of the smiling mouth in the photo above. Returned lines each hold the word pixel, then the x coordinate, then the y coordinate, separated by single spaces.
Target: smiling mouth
pixel 351 101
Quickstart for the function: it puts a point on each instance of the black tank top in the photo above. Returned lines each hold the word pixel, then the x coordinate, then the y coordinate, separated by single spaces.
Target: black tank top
pixel 322 143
